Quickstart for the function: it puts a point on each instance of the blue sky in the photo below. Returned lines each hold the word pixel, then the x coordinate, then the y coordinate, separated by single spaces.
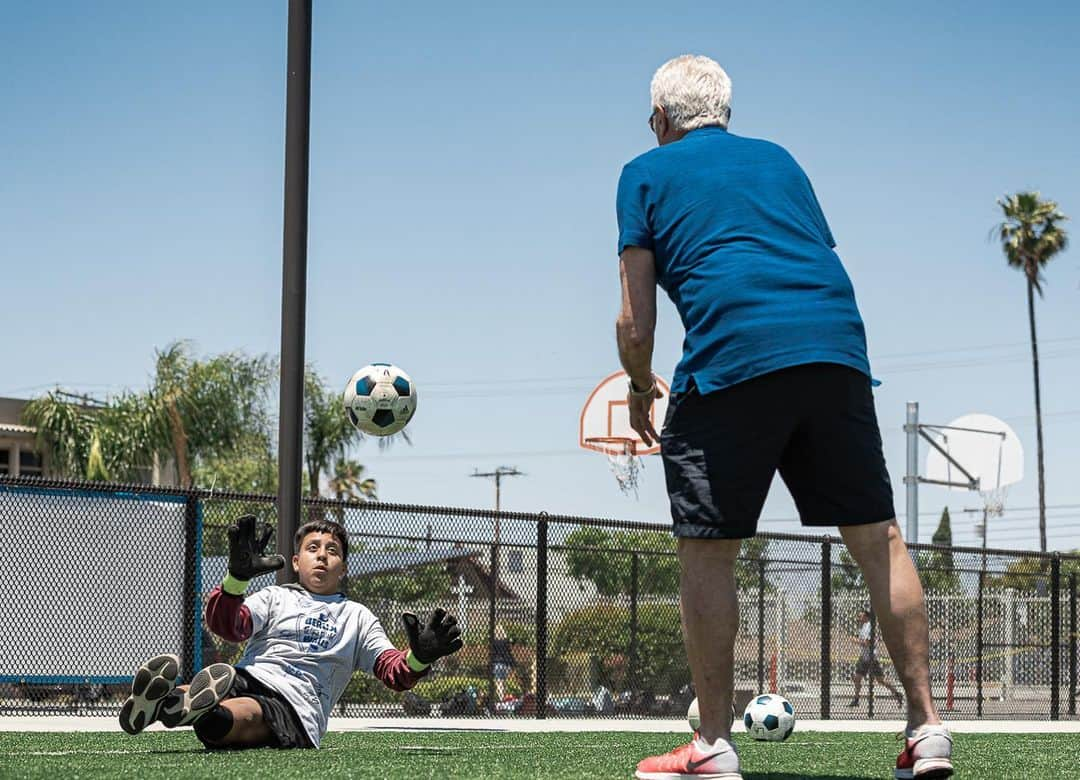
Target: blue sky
pixel 463 172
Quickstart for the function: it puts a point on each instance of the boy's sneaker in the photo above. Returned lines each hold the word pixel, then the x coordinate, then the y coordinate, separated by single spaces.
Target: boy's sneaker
pixel 154 681
pixel 206 691
pixel 689 762
pixel 927 755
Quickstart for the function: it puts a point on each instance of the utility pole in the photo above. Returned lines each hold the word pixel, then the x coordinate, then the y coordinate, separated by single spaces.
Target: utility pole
pixel 497 475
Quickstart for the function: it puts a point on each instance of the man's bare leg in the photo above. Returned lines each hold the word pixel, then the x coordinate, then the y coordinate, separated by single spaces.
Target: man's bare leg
pixel 897 596
pixel 710 621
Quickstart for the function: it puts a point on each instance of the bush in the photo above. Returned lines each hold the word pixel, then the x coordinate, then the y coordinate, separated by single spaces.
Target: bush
pixel 440 688
pixel 365 689
pixel 603 632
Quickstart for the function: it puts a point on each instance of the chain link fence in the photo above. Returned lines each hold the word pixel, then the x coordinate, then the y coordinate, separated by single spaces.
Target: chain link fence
pixel 563 616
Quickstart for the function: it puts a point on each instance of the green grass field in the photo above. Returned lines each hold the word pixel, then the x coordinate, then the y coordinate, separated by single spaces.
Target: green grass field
pixel 432 754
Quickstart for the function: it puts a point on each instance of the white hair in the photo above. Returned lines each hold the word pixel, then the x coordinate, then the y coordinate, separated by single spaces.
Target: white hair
pixel 694 91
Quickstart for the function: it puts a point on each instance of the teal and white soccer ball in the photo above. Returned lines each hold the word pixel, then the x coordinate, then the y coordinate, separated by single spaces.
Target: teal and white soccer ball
pixel 769 718
pixel 380 399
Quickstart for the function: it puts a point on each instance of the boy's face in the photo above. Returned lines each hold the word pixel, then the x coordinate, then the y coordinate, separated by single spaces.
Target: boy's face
pixel 319 563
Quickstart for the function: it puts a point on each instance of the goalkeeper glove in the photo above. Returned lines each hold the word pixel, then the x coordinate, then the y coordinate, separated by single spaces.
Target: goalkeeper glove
pixel 247 558
pixel 440 637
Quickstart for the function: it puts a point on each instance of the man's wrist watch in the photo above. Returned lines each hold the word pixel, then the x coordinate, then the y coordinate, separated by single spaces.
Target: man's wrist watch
pixel 646 393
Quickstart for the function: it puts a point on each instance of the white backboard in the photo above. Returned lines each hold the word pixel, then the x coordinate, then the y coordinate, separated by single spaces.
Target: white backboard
pixel 606 415
pixel 984 445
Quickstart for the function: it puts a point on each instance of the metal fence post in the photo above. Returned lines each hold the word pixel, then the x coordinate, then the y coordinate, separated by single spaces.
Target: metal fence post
pixel 494 594
pixel 541 614
pixel 979 603
pixel 761 626
pixel 1055 637
pixel 1072 643
pixel 632 675
pixel 192 597
pixel 826 626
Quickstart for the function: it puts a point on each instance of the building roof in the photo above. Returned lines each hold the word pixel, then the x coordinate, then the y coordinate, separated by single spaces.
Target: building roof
pixel 15 428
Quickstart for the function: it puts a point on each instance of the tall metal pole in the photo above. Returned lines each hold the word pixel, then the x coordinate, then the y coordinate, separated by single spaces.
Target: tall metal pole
pixel 294 276
pixel 911 479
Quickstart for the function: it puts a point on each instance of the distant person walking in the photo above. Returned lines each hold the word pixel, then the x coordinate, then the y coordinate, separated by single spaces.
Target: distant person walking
pixel 868 664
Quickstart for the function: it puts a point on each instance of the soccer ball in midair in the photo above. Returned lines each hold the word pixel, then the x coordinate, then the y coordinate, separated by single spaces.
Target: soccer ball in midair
pixel 380 399
pixel 770 718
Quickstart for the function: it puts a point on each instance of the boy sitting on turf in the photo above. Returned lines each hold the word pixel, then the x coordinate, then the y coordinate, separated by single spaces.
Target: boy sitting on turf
pixel 304 642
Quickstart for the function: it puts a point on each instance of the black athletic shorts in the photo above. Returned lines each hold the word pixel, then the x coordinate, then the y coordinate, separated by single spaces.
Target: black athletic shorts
pixel 286 731
pixel 813 423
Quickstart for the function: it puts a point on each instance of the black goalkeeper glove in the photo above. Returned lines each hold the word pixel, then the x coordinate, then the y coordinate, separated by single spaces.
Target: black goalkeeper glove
pixel 440 637
pixel 247 558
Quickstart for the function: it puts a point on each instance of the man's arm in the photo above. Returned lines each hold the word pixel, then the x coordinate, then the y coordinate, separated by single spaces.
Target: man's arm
pixel 634 331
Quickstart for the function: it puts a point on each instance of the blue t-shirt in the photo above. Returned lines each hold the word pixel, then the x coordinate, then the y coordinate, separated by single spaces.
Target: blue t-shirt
pixel 744 252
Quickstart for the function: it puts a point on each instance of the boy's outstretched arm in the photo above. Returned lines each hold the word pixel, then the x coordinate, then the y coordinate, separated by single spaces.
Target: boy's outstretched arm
pixel 440 637
pixel 226 614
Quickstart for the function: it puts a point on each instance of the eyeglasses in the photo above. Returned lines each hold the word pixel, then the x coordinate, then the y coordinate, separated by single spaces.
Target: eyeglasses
pixel 652 118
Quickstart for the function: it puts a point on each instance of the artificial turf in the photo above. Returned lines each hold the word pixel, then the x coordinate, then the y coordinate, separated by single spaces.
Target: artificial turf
pixel 471 754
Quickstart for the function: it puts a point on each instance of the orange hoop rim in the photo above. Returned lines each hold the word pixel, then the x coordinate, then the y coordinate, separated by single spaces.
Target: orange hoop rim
pixel 629 445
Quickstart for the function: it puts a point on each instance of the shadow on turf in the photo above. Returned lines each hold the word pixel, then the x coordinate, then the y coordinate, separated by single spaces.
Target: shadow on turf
pixel 802 776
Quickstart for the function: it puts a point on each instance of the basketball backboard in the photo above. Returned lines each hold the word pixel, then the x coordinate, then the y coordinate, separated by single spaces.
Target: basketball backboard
pixel 980 444
pixel 605 418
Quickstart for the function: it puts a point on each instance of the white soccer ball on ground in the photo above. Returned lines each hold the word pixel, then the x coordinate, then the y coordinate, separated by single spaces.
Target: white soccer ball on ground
pixel 380 399
pixel 693 715
pixel 769 718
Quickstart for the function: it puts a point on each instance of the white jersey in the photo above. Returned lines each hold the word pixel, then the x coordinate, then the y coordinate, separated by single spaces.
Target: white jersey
pixel 306 647
pixel 867 652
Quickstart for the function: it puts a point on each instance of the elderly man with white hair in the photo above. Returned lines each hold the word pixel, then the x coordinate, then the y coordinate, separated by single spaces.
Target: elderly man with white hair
pixel 774 377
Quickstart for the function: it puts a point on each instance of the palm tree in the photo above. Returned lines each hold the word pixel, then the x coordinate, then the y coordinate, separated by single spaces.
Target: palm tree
pixel 349 483
pixel 327 431
pixel 203 408
pixel 64 433
pixel 194 409
pixel 1030 237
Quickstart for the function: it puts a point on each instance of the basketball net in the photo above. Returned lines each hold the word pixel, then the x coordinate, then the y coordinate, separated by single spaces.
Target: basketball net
pixel 994 500
pixel 624 461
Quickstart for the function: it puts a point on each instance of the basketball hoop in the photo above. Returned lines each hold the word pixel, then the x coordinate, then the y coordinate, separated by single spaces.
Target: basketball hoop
pixel 994 500
pixel 622 456
pixel 605 428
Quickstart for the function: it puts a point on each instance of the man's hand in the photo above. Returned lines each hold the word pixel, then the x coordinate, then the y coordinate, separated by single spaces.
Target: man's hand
pixel 640 407
pixel 440 637
pixel 247 558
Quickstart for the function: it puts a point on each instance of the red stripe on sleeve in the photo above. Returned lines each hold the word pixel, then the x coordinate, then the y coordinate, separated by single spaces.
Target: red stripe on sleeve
pixel 394 671
pixel 227 616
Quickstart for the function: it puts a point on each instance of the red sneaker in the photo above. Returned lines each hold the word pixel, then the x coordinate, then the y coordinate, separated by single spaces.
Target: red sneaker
pixel 690 763
pixel 927 755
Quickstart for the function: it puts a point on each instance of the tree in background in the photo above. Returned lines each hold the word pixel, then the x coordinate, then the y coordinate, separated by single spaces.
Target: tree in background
pixel 1031 236
pixel 1032 575
pixel 208 407
pixel 328 434
pixel 597 555
pixel 195 411
pixel 605 558
pixel 936 569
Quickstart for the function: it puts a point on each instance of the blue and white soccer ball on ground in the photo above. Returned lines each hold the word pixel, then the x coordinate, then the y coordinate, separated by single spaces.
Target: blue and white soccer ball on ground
pixel 380 399
pixel 769 718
